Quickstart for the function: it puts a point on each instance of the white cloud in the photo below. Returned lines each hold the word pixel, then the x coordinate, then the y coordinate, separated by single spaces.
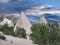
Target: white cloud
pixel 33 12
pixel 4 1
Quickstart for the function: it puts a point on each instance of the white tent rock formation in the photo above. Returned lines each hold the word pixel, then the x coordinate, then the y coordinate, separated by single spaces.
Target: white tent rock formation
pixel 8 22
pixel 43 20
pixel 23 22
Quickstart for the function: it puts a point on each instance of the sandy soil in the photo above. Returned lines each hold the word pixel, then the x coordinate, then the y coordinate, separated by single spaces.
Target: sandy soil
pixel 15 41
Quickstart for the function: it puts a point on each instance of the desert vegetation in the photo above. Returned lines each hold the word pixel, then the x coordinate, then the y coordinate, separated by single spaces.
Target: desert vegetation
pixel 46 34
pixel 21 33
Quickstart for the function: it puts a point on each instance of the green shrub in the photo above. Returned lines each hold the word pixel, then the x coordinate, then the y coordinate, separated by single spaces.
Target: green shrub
pixel 21 33
pixel 2 37
pixel 39 34
pixel 7 30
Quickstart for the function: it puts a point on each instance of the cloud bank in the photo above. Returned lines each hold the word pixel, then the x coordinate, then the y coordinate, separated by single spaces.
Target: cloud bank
pixel 4 1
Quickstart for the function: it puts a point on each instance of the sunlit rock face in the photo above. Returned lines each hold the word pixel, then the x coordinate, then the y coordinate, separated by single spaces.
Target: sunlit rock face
pixel 8 22
pixel 43 20
pixel 23 22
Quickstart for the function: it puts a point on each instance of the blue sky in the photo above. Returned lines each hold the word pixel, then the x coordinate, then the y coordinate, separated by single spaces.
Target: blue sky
pixel 55 3
pixel 19 5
